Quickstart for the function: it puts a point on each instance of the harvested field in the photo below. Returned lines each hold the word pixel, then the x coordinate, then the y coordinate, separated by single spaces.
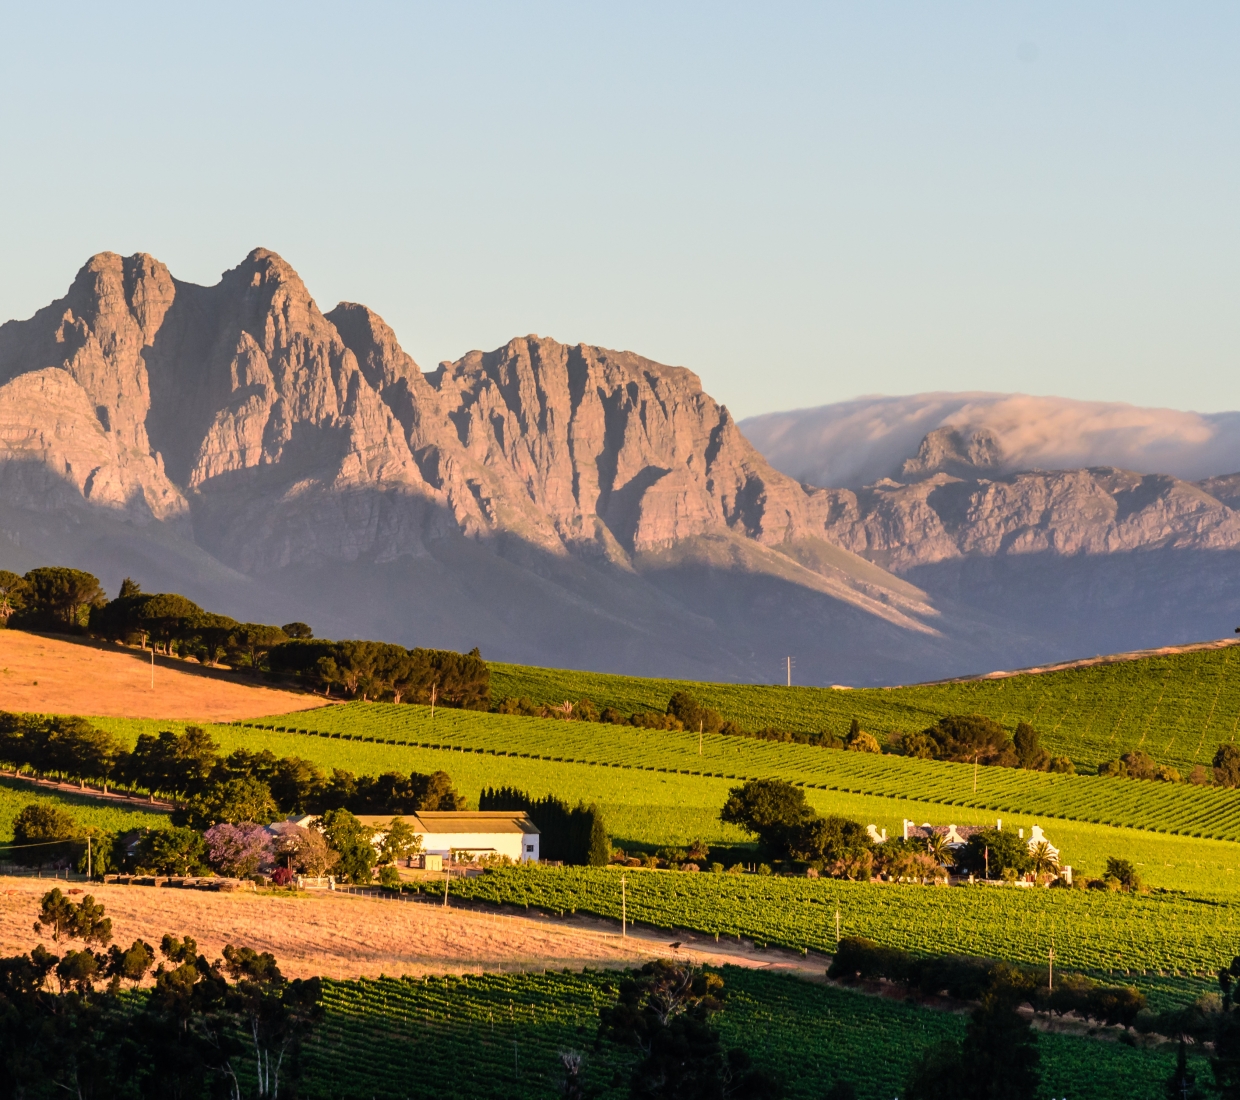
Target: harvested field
pixel 54 675
pixel 339 936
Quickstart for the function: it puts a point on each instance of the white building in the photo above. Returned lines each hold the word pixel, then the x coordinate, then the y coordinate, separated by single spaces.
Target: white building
pixel 462 834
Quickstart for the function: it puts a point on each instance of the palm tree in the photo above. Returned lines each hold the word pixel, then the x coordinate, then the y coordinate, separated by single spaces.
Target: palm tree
pixel 936 845
pixel 1043 861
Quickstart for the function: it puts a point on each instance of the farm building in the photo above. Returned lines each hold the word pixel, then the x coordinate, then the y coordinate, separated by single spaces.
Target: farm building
pixel 957 836
pixel 461 833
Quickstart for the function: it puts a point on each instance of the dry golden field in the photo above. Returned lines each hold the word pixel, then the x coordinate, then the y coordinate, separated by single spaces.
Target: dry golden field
pixel 53 675
pixel 338 936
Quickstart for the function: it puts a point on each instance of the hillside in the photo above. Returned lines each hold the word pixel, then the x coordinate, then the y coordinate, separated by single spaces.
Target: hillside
pixel 1178 706
pixel 45 674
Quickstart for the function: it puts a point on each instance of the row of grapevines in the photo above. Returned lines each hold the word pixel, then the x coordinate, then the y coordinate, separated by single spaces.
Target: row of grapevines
pixel 1164 807
pixel 1089 930
pixel 1178 707
pixel 500 1035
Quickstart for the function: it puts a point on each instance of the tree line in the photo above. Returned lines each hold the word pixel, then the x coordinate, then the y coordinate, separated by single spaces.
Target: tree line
pixel 79 1023
pixel 574 836
pixel 58 599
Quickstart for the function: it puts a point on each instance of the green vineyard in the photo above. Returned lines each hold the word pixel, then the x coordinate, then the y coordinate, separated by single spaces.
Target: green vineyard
pixel 658 808
pixel 1162 807
pixel 1178 707
pixel 500 1036
pixel 89 812
pixel 1091 930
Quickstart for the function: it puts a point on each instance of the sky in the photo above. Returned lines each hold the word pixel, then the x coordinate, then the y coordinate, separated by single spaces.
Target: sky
pixel 801 203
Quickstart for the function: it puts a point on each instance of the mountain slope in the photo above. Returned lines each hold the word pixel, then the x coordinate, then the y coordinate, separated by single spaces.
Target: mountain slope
pixel 571 505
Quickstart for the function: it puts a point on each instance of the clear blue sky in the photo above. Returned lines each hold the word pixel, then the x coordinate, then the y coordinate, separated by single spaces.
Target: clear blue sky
pixel 801 203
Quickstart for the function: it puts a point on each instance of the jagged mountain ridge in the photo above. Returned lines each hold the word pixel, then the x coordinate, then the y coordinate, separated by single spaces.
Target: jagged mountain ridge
pixel 141 416
pixel 554 504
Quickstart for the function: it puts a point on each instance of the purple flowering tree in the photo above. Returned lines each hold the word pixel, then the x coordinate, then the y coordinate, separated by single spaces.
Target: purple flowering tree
pixel 238 850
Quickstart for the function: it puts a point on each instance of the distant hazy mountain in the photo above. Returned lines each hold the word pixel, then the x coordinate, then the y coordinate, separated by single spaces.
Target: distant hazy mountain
pixel 576 506
pixel 855 443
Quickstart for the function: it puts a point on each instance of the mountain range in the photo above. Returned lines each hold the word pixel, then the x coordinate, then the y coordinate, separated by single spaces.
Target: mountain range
pixel 560 505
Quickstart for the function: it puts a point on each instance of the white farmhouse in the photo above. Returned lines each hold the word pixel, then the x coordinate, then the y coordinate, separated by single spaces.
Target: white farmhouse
pixel 461 834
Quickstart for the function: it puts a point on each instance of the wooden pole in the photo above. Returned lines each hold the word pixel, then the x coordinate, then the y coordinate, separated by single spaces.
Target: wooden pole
pixel 701 722
pixel 624 907
pixel 446 874
pixel 152 666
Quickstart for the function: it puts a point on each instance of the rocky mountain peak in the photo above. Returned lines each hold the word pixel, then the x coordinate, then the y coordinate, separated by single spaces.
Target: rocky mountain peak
pixel 962 453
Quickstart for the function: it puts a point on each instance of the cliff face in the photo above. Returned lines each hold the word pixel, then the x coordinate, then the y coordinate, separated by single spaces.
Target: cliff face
pixel 1065 513
pixel 288 444
pixel 555 504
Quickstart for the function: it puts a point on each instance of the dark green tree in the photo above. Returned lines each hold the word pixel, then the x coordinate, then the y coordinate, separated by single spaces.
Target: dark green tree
pixel 772 809
pixel 12 595
pixel 59 598
pixel 1029 751
pixel 354 842
pixel 665 1012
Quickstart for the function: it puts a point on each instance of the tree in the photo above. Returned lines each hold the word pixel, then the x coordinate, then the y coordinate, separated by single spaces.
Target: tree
pixel 174 850
pixel 665 1011
pixel 834 843
pixel 43 833
pixel 275 1013
pixel 304 851
pixel 692 714
pixel 66 920
pixel 966 738
pixel 771 808
pixel 993 851
pixel 238 850
pixel 1029 751
pixel 235 801
pixel 130 965
pixel 12 594
pixel 56 597
pixel 167 617
pixel 297 631
pixel 399 842
pixel 353 841
pixel 998 1059
pixel 1123 871
pixel 1227 766
pixel 255 639
pixel 1041 860
pixel 1182 1084
pixel 74 748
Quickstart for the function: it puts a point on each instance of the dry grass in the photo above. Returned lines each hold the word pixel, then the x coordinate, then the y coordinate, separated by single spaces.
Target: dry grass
pixel 338 936
pixel 52 675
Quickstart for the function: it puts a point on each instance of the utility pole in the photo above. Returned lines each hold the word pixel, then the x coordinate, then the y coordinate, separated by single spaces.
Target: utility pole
pixel 624 908
pixel 837 926
pixel 446 875
pixel 975 756
pixel 434 686
pixel 789 660
pixel 152 664
pixel 88 861
pixel 1050 966
pixel 701 723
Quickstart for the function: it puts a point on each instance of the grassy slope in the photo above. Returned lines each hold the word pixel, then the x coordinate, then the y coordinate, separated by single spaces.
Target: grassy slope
pixel 658 808
pixel 1178 708
pixel 500 1036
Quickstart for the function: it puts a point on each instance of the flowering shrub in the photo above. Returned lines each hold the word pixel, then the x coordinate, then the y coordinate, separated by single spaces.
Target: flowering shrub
pixel 238 850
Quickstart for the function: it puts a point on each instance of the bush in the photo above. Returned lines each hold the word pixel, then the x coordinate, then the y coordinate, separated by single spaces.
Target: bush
pixel 43 833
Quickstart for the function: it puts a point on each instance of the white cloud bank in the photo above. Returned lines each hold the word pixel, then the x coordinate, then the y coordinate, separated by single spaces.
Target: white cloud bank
pixel 854 443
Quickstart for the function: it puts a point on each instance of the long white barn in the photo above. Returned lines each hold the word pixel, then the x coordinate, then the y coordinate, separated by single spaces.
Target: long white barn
pixel 458 833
